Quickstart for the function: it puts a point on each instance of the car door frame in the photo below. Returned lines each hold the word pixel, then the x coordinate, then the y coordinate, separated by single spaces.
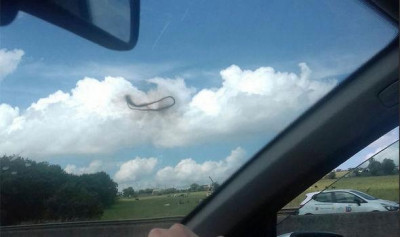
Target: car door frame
pixel 345 207
pixel 323 207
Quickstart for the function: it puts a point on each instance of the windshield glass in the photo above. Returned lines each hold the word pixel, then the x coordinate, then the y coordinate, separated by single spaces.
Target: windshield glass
pixel 364 195
pixel 221 80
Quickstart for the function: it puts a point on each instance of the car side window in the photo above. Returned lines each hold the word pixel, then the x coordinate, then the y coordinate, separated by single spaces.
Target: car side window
pixel 344 197
pixel 323 197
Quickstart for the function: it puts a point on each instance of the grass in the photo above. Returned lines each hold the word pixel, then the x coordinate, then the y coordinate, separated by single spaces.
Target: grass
pixel 340 174
pixel 384 187
pixel 153 206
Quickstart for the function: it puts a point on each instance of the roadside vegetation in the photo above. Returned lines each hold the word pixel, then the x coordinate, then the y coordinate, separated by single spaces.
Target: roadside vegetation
pixel 33 192
pixel 153 206
pixel 38 192
pixel 166 205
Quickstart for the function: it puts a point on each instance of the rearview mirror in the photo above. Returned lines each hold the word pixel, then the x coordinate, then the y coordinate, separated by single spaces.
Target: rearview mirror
pixel 113 24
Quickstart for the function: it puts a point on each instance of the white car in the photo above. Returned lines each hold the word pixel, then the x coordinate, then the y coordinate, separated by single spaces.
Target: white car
pixel 343 201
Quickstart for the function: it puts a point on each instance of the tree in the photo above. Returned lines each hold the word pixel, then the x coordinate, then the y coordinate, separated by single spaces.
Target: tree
pixel 215 186
pixel 102 185
pixel 388 166
pixel 34 192
pixel 128 192
pixel 73 202
pixel 146 191
pixel 357 171
pixel 194 187
pixel 25 186
pixel 375 167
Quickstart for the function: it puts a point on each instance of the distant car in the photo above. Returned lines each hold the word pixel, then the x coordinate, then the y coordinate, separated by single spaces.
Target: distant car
pixel 343 201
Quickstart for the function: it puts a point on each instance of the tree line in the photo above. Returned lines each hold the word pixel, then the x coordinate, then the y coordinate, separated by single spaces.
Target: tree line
pixel 374 168
pixel 34 192
pixel 129 192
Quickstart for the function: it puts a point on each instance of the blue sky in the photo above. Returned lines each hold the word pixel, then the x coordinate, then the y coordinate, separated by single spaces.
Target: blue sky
pixel 240 72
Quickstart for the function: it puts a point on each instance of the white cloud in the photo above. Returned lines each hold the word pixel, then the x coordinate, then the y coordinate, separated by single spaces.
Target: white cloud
pixel 94 117
pixel 7 115
pixel 94 166
pixel 129 71
pixel 134 170
pixel 143 173
pixel 9 60
pixel 189 171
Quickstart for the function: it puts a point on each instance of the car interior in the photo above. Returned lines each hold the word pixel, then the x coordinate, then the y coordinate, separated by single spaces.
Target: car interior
pixel 358 111
pixel 349 118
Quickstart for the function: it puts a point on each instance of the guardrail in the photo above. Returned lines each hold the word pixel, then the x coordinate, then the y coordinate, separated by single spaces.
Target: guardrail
pixel 89 228
pixel 92 223
pixel 285 211
pixel 348 224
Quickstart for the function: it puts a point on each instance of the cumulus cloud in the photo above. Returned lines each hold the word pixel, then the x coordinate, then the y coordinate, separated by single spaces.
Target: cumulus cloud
pixel 7 115
pixel 134 170
pixel 9 60
pixel 94 118
pixel 189 171
pixel 146 172
pixel 94 166
pixel 130 71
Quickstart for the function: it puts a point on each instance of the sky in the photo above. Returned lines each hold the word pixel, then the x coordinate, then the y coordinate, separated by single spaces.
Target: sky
pixel 239 72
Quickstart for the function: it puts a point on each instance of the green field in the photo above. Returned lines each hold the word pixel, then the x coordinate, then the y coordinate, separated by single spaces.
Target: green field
pixel 340 174
pixel 153 206
pixel 385 187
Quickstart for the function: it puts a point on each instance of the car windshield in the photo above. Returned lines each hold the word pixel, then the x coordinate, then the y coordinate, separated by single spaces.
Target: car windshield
pixel 364 195
pixel 221 80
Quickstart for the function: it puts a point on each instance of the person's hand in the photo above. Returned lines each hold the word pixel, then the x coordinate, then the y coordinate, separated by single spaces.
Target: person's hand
pixel 177 230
